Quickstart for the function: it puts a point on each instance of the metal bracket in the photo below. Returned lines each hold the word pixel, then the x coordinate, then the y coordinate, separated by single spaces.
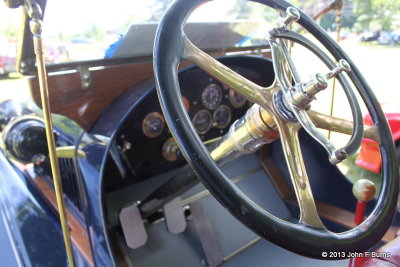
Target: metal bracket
pixel 86 79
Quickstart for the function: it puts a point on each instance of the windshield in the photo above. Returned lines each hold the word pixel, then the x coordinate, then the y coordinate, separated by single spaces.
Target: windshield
pixel 86 30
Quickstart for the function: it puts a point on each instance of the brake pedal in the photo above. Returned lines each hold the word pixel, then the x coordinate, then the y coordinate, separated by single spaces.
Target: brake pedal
pixel 205 233
pixel 133 227
pixel 175 216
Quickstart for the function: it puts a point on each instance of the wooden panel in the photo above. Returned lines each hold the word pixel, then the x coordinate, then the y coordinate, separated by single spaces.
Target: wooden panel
pixel 79 236
pixel 67 97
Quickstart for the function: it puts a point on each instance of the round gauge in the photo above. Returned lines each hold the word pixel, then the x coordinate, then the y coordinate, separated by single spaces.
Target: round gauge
pixel 169 150
pixel 202 121
pixel 222 116
pixel 211 96
pixel 236 99
pixel 153 124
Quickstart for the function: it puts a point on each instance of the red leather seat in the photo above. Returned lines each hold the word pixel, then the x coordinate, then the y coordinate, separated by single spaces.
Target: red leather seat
pixel 388 255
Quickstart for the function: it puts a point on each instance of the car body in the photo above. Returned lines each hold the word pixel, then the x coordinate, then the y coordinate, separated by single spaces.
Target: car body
pixel 115 152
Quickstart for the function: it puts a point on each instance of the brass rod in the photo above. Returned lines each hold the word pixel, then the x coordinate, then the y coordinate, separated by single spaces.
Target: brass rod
pixel 338 27
pixel 34 11
pixel 44 95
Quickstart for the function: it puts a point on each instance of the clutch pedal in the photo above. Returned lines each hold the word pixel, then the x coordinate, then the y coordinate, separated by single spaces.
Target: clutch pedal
pixel 133 227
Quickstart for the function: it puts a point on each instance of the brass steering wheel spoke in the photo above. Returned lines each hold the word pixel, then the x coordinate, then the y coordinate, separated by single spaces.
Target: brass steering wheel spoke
pixel 299 95
pixel 225 75
pixel 342 126
pixel 294 159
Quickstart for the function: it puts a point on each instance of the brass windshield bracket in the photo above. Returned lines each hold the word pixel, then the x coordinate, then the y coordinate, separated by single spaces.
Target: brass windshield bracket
pixel 35 13
pixel 86 79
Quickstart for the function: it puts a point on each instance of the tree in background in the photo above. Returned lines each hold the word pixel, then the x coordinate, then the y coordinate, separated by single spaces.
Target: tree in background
pixel 348 16
pixel 379 14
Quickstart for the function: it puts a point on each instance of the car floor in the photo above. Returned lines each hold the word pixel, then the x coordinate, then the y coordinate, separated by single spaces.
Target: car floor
pixel 235 244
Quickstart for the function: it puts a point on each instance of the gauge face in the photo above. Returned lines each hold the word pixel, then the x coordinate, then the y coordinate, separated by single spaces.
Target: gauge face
pixel 211 96
pixel 236 99
pixel 202 121
pixel 153 124
pixel 222 117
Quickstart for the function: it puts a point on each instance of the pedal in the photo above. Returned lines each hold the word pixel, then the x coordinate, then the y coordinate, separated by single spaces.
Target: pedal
pixel 175 216
pixel 133 227
pixel 205 233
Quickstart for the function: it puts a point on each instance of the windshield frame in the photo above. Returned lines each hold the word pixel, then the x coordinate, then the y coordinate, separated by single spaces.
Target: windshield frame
pixel 26 59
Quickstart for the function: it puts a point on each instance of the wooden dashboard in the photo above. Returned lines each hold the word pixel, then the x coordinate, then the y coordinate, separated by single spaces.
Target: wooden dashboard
pixel 69 98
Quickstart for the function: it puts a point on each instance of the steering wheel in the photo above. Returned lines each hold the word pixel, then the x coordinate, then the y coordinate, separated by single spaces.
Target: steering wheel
pixel 287 101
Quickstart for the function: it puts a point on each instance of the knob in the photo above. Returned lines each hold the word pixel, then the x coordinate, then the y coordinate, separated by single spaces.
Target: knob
pixel 364 190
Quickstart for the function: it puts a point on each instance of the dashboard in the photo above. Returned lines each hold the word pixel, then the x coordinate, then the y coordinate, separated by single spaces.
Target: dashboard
pixel 145 145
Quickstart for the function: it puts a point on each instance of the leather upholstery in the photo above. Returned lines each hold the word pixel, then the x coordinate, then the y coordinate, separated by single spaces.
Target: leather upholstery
pixel 393 259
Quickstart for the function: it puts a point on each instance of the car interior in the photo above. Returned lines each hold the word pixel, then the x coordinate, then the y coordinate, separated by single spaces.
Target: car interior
pixel 137 132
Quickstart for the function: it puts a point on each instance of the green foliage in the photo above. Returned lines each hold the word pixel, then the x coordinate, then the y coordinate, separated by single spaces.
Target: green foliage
pixel 329 21
pixel 379 12
pixel 94 32
pixel 9 31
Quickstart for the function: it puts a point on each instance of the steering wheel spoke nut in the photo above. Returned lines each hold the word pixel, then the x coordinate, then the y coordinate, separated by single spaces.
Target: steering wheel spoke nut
pixel 304 94
pixel 343 66
pixel 292 14
pixel 338 156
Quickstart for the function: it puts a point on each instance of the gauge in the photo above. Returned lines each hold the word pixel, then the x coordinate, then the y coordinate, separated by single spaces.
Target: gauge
pixel 236 99
pixel 211 96
pixel 169 150
pixel 202 121
pixel 222 116
pixel 153 124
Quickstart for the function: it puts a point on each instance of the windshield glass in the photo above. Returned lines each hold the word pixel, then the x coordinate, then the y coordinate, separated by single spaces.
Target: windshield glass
pixel 86 30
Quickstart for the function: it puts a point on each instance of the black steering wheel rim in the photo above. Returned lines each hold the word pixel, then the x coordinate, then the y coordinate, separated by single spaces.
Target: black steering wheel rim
pixel 298 238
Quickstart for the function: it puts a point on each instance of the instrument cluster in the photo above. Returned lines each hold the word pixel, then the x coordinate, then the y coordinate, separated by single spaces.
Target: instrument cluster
pixel 211 106
pixel 213 111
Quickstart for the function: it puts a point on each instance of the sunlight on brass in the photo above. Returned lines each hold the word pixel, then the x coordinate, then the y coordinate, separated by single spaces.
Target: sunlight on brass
pixel 224 74
pixel 69 152
pixel 341 126
pixel 35 13
pixel 244 135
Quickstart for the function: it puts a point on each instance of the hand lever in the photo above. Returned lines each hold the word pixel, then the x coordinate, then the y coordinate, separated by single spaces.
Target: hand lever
pixel 363 191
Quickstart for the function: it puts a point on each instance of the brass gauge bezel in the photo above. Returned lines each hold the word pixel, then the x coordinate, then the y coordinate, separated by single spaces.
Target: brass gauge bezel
pixel 169 150
pixel 215 124
pixel 211 106
pixel 146 124
pixel 233 100
pixel 197 115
